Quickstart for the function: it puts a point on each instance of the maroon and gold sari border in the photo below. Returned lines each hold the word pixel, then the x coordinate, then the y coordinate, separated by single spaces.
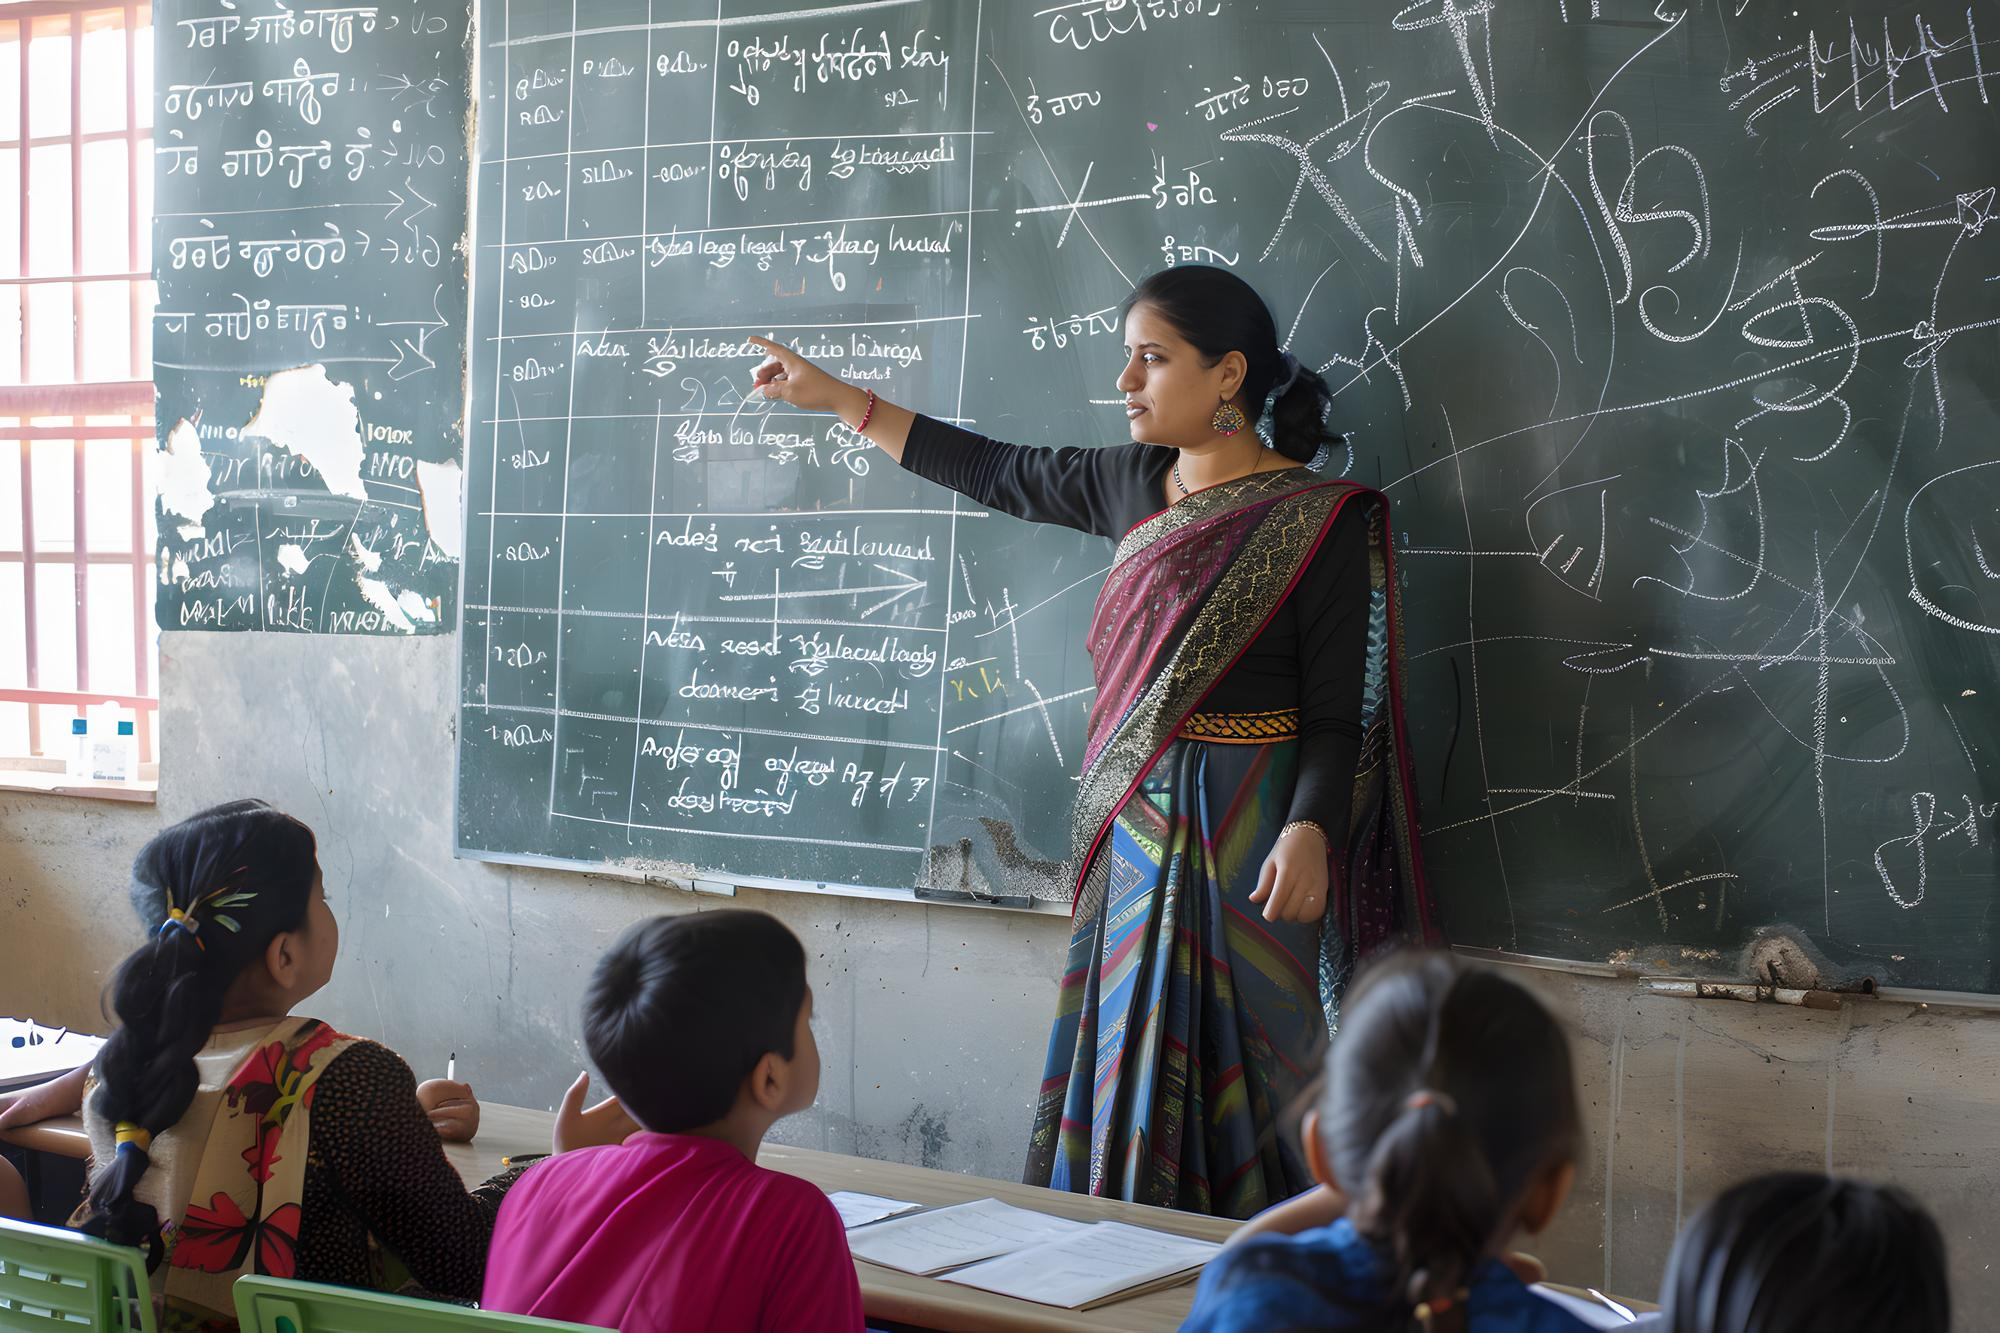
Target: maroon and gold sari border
pixel 1300 511
pixel 1214 502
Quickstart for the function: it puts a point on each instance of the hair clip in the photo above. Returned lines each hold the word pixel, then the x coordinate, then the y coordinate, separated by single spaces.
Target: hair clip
pixel 226 896
pixel 1423 1097
pixel 130 1135
pixel 186 924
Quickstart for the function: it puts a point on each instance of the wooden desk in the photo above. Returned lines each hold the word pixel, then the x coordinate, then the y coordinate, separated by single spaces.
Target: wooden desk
pixel 62 1136
pixel 885 1294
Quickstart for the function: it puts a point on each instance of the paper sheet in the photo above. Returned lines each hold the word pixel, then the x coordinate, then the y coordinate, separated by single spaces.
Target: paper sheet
pixel 1092 1265
pixel 949 1237
pixel 31 1053
pixel 1590 1312
pixel 857 1210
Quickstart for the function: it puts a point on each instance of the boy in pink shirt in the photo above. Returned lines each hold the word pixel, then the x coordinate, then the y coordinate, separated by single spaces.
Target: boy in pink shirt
pixel 701 1024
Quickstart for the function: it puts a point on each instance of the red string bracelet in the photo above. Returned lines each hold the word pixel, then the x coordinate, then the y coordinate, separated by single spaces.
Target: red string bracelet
pixel 869 413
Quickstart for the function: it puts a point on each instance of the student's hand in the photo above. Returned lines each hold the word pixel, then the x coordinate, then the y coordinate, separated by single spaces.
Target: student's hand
pixel 789 378
pixel 452 1108
pixel 1320 1206
pixel 599 1126
pixel 1292 885
pixel 58 1096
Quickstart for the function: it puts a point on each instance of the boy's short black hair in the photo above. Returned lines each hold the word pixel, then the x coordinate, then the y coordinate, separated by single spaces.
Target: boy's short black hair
pixel 681 1009
pixel 1805 1253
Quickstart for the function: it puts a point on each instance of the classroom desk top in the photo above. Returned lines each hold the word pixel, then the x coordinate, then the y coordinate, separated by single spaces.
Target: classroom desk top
pixel 885 1293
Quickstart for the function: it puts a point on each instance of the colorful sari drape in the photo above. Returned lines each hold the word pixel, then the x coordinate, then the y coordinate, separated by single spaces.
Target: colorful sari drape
pixel 1185 1021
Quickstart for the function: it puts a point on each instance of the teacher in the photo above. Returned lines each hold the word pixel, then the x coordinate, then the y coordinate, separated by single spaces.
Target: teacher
pixel 1245 825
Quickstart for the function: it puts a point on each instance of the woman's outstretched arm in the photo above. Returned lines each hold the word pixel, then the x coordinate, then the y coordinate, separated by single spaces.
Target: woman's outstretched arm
pixel 1093 490
pixel 786 376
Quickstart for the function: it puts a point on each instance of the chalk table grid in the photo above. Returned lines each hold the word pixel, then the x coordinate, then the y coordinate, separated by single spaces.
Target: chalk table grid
pixel 544 194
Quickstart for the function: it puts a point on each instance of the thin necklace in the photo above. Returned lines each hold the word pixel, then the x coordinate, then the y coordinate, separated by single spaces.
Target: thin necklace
pixel 1259 467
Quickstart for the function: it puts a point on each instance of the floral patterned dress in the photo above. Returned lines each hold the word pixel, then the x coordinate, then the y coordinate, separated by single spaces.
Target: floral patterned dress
pixel 305 1154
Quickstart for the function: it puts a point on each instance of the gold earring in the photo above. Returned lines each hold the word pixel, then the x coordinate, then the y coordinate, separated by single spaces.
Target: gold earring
pixel 1228 419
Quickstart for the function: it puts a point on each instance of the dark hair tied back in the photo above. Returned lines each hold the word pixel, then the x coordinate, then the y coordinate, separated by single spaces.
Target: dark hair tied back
pixel 1449 1093
pixel 168 995
pixel 1218 313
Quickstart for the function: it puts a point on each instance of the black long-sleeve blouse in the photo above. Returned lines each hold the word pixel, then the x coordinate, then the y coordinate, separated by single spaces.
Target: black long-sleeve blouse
pixel 1311 656
pixel 377 1176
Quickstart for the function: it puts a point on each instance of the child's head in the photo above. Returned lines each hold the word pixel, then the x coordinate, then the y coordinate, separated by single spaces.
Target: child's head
pixel 237 926
pixel 1802 1253
pixel 1449 1118
pixel 693 1018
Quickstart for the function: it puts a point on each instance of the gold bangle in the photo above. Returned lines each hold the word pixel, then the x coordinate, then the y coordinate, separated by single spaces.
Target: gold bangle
pixel 1307 824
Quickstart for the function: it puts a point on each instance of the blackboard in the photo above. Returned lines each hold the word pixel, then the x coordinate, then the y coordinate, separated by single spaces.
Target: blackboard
pixel 308 346
pixel 1669 333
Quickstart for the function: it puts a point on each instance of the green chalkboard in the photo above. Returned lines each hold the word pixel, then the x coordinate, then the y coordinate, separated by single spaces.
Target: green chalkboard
pixel 310 178
pixel 1669 332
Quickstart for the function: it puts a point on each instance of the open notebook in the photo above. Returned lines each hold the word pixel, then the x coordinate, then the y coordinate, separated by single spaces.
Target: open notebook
pixel 858 1210
pixel 1032 1256
pixel 1105 1262
pixel 931 1242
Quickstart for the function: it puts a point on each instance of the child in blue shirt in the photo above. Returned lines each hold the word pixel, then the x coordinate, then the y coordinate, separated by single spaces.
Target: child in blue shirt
pixel 1448 1125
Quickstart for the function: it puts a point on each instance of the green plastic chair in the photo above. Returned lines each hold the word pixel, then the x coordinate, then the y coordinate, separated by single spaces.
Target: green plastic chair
pixel 57 1281
pixel 281 1305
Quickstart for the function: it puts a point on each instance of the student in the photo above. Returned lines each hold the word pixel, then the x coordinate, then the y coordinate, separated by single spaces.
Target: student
pixel 701 1024
pixel 1448 1125
pixel 1805 1253
pixel 229 1137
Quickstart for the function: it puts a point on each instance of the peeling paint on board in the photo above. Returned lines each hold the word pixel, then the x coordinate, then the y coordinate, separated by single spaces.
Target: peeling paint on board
pixel 443 487
pixel 300 477
pixel 313 416
pixel 183 479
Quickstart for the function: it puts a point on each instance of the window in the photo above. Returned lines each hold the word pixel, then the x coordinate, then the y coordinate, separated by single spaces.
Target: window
pixel 76 394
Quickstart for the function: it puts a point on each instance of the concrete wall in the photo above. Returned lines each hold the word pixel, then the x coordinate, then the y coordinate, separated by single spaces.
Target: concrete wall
pixel 931 1019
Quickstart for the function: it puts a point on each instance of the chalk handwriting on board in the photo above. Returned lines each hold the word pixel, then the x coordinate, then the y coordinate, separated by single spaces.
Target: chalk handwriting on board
pixel 1667 331
pixel 311 188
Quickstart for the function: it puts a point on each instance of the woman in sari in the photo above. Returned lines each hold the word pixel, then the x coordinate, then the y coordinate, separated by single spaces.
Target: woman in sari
pixel 1245 825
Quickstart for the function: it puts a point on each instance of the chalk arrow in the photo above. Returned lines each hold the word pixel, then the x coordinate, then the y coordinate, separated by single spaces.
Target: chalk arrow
pixel 423 206
pixel 410 346
pixel 903 586
pixel 909 585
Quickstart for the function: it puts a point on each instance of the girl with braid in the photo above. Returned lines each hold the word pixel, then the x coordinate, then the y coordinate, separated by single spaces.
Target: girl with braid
pixel 229 1136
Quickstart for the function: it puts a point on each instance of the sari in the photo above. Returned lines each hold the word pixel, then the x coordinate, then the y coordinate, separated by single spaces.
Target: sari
pixel 1186 1022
